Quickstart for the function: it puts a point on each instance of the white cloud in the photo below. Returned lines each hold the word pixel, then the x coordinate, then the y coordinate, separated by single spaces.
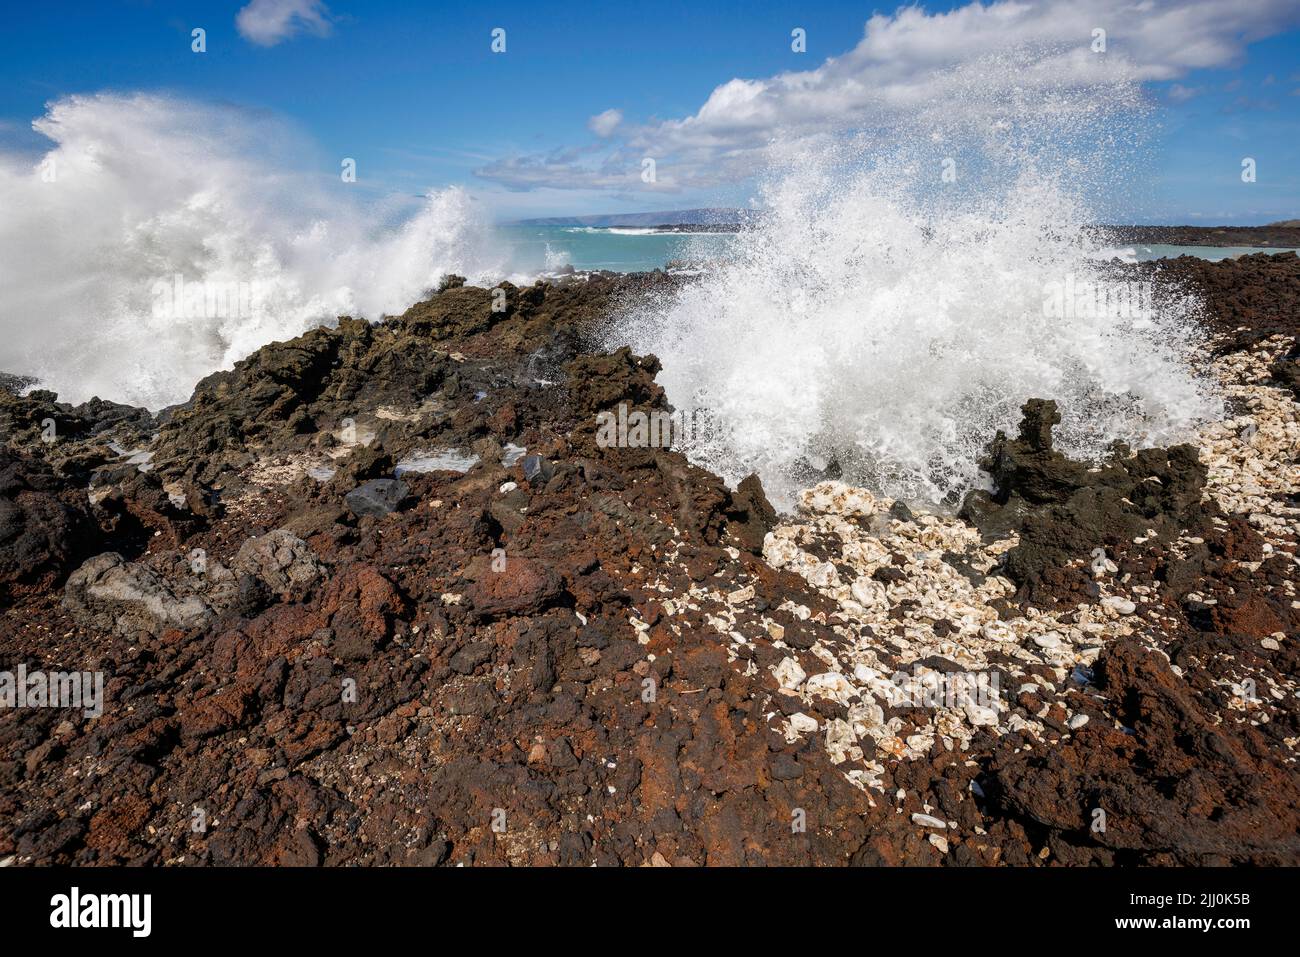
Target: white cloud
pixel 962 60
pixel 268 22
pixel 604 124
pixel 576 168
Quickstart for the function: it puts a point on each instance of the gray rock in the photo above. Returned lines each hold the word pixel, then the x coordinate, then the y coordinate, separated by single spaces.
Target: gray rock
pixel 471 656
pixel 110 594
pixel 281 561
pixel 537 471
pixel 786 768
pixel 901 512
pixel 376 497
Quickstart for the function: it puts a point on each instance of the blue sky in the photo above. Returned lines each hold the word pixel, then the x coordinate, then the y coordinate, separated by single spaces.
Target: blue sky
pixel 415 94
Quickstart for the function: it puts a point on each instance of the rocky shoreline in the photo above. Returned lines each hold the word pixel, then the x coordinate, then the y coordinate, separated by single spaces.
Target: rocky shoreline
pixel 379 596
pixel 1284 235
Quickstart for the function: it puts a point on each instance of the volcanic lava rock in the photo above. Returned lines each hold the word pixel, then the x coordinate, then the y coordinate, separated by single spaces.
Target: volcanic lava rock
pixel 750 515
pixel 571 652
pixel 112 595
pixel 537 470
pixel 1064 509
pixel 359 607
pixel 1287 371
pixel 524 586
pixel 282 561
pixel 43 529
pixel 1248 299
pixel 376 497
pixel 1203 791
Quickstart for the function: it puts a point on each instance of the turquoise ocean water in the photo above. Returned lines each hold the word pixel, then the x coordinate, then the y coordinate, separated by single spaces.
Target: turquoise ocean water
pixel 538 249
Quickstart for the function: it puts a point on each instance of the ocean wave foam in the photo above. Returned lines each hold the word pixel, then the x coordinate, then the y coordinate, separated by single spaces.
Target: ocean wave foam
pixel 139 190
pixel 882 322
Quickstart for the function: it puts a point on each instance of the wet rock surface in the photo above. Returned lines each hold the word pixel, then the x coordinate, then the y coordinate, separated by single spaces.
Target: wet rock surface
pixel 604 655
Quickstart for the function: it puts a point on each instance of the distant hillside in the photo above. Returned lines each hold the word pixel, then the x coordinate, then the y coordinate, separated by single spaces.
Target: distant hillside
pixel 711 216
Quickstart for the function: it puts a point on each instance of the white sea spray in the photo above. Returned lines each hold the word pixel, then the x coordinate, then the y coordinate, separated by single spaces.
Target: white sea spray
pixel 894 305
pixel 141 196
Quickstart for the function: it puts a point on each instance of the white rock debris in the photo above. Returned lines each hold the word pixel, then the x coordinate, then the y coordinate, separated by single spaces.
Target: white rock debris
pixel 950 708
pixel 1252 458
pixel 892 581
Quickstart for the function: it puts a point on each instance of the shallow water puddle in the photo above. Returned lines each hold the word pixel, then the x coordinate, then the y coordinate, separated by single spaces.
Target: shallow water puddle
pixel 437 460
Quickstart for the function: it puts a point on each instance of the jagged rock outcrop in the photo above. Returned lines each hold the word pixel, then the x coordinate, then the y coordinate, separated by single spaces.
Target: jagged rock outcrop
pixel 589 638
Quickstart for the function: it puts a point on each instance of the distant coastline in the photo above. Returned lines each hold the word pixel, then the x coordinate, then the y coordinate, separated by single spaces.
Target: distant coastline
pixel 1284 234
pixel 1277 235
pixel 1264 237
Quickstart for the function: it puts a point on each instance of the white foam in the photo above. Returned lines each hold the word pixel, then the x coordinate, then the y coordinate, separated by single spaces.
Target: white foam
pixel 885 319
pixel 149 187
